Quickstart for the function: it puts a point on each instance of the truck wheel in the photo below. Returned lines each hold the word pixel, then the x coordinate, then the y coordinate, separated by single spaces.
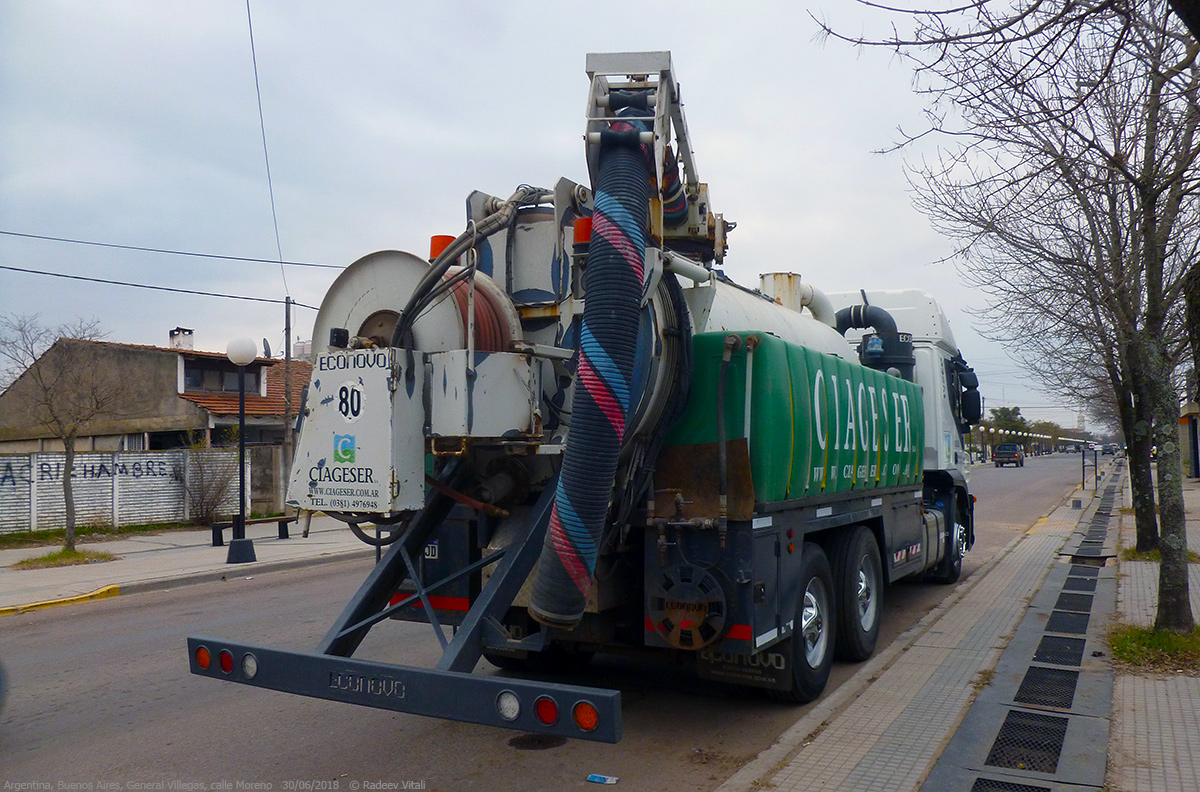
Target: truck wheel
pixel 507 662
pixel 555 659
pixel 949 568
pixel 813 637
pixel 858 582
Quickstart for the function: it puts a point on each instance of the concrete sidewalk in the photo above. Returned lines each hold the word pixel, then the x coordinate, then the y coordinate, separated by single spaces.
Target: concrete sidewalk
pixel 930 712
pixel 168 559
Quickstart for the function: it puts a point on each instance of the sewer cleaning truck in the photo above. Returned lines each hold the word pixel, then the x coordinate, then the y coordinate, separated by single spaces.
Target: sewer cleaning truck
pixel 570 433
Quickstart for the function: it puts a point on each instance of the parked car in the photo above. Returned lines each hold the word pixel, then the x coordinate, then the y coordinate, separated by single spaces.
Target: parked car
pixel 1111 448
pixel 1008 453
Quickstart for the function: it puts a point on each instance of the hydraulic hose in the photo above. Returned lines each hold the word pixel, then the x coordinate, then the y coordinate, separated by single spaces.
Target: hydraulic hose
pixel 431 282
pixel 601 401
pixel 675 209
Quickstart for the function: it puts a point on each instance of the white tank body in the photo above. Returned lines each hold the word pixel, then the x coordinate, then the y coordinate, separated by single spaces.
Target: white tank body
pixel 722 305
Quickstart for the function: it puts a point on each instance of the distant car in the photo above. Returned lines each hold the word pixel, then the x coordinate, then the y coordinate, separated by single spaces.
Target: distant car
pixel 1112 448
pixel 1008 454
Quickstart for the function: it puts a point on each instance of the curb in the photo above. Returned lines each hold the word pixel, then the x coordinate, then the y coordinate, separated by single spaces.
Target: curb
pixel 215 575
pixel 101 593
pixel 174 581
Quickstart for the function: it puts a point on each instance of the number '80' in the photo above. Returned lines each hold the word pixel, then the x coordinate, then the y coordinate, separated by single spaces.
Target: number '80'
pixel 349 402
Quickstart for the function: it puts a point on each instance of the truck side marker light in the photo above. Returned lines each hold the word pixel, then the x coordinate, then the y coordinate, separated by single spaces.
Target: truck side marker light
pixel 546 710
pixel 225 658
pixel 586 717
pixel 203 658
pixel 508 705
pixel 249 665
pixel 791 547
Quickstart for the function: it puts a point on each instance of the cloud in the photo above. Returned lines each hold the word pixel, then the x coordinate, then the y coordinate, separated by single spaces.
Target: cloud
pixel 137 122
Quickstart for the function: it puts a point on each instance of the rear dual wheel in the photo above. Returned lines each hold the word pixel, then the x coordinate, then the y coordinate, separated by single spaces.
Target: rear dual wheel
pixel 839 611
pixel 812 638
pixel 858 578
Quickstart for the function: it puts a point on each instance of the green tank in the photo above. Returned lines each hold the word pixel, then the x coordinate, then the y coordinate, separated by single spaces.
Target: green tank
pixel 812 424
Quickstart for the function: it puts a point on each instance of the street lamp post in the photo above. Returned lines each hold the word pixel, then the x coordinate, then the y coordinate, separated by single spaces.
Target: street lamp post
pixel 241 352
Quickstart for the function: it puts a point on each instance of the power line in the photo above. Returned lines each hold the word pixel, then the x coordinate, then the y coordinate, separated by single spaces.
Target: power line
pixel 168 252
pixel 263 127
pixel 156 288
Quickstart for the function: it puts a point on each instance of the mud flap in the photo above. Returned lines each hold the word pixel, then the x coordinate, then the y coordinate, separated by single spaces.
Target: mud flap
pixel 766 669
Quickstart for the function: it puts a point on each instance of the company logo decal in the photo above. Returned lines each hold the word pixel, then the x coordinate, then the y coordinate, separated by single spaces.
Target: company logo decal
pixel 343 448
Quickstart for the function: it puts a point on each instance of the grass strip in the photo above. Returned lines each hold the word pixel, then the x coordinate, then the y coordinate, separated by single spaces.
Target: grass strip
pixel 1144 649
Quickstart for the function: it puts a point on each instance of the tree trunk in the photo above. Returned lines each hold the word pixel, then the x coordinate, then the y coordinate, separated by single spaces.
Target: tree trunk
pixel 1191 294
pixel 1135 425
pixel 68 492
pixel 1174 603
pixel 1141 482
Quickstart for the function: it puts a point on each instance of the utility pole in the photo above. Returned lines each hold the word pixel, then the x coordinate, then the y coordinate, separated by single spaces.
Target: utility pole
pixel 287 392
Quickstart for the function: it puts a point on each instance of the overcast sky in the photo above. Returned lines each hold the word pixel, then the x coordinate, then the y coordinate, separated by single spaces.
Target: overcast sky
pixel 136 123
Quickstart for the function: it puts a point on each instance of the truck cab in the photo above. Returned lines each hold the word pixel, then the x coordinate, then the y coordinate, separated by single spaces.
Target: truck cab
pixel 950 395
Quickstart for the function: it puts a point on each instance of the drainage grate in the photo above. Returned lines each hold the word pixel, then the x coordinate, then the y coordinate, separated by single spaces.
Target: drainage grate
pixel 1067 601
pixel 1048 687
pixel 1079 584
pixel 1062 622
pixel 1060 651
pixel 1084 571
pixel 1029 741
pixel 990 785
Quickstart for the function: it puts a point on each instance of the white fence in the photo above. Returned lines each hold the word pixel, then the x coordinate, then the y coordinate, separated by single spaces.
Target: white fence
pixel 126 488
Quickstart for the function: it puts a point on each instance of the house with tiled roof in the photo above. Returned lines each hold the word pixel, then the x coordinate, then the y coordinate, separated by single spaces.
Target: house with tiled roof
pixel 180 397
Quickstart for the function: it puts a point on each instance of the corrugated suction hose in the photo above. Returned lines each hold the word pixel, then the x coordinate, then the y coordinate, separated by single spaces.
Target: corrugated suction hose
pixel 600 405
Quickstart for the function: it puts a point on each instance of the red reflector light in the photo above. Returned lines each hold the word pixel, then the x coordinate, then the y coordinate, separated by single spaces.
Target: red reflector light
pixel 546 710
pixel 226 660
pixel 203 658
pixel 438 243
pixel 586 717
pixel 582 230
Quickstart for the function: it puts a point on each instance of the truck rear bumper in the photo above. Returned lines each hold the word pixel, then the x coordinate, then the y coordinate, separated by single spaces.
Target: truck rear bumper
pixel 520 704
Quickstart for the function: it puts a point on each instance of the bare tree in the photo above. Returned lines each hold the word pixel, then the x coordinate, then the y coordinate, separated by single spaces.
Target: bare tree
pixel 208 481
pixel 1071 190
pixel 57 374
